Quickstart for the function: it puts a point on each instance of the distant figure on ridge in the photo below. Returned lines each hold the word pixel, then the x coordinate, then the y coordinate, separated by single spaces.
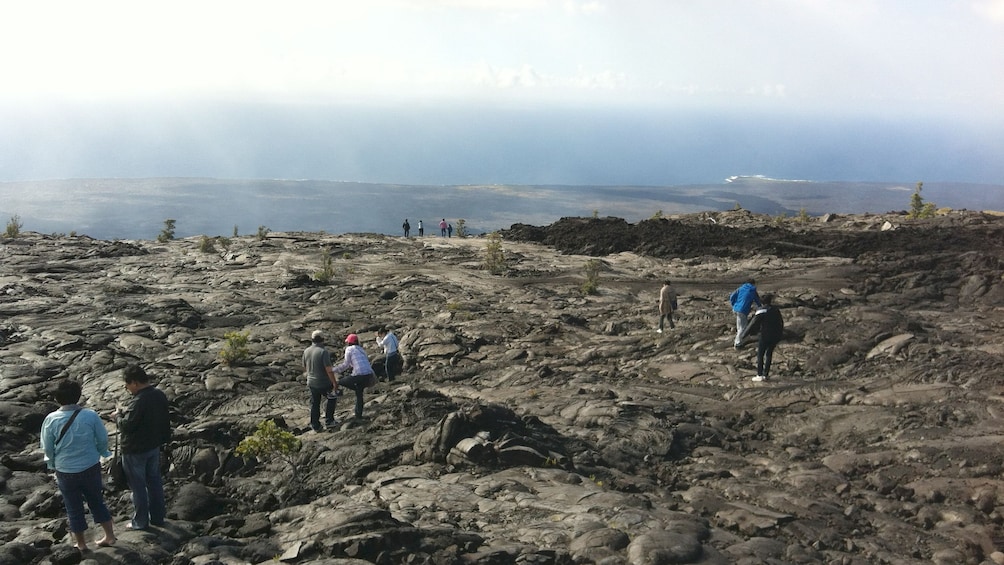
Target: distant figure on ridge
pixel 421 230
pixel 406 227
pixel 321 381
pixel 388 341
pixel 667 304
pixel 362 375
pixel 449 230
pixel 442 228
pixel 770 324
pixel 742 300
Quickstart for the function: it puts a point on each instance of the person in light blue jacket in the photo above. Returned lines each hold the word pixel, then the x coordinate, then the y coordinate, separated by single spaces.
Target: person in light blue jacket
pixel 74 439
pixel 742 300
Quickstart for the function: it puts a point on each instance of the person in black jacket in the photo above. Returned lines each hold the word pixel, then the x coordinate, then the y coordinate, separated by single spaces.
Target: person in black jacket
pixel 770 324
pixel 144 426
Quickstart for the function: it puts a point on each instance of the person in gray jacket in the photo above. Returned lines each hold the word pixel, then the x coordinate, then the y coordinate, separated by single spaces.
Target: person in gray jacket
pixel 321 381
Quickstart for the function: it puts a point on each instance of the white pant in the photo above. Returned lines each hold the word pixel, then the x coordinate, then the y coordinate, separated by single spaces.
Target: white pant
pixel 742 320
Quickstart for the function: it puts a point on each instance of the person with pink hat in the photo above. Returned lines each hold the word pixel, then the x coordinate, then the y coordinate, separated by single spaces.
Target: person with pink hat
pixel 361 376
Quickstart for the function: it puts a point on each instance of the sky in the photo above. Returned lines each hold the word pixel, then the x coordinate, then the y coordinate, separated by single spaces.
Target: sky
pixel 932 59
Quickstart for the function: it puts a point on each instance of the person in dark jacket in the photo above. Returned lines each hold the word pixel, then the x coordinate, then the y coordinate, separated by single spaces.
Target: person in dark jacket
pixel 770 324
pixel 144 426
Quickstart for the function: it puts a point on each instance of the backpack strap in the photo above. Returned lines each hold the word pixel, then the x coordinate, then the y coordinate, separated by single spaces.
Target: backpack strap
pixel 67 425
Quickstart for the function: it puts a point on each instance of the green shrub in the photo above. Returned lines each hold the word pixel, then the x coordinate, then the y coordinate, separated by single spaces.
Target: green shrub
pixel 803 216
pixel 236 350
pixel 269 442
pixel 207 244
pixel 657 215
pixel 327 271
pixel 780 219
pixel 592 283
pixel 461 228
pixel 495 261
pixel 167 234
pixel 14 227
pixel 235 230
pixel 262 233
pixel 918 208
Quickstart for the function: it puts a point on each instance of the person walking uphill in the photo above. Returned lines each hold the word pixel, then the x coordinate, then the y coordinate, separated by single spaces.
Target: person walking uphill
pixel 388 341
pixel 321 381
pixel 667 304
pixel 770 324
pixel 74 440
pixel 144 426
pixel 742 300
pixel 362 373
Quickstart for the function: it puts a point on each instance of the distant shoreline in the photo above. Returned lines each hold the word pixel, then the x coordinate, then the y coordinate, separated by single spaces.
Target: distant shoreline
pixel 135 208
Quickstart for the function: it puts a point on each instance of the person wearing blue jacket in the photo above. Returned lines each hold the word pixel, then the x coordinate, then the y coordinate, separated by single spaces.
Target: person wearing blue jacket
pixel 742 300
pixel 74 440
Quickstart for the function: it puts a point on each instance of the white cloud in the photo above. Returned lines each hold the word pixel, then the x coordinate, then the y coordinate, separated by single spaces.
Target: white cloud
pixel 990 9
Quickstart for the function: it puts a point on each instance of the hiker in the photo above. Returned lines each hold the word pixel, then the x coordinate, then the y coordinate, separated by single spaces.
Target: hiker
pixel 442 228
pixel 388 341
pixel 449 230
pixel 421 230
pixel 74 440
pixel 770 324
pixel 321 381
pixel 742 300
pixel 667 305
pixel 362 373
pixel 406 227
pixel 144 427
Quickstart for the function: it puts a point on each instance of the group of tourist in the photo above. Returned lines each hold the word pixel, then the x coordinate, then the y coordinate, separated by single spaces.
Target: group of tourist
pixel 766 321
pixel 74 440
pixel 322 379
pixel 445 228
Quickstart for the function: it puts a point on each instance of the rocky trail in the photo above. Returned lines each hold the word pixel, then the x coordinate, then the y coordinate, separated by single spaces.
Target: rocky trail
pixel 534 423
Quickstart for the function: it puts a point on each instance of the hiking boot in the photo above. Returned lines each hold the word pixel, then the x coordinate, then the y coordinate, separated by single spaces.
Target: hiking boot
pixel 331 424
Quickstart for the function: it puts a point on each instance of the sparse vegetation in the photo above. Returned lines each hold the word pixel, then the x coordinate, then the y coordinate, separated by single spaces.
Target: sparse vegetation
pixel 167 234
pixel 737 207
pixel 780 219
pixel 223 241
pixel 803 216
pixel 14 226
pixel 235 230
pixel 327 272
pixel 495 261
pixel 235 351
pixel 596 214
pixel 461 228
pixel 919 208
pixel 207 244
pixel 592 283
pixel 657 215
pixel 269 442
pixel 262 233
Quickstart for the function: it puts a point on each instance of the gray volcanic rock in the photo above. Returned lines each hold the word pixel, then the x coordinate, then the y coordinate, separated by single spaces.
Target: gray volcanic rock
pixel 532 423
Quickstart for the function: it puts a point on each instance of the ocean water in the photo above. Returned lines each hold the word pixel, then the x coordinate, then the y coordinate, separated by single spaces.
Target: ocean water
pixel 119 172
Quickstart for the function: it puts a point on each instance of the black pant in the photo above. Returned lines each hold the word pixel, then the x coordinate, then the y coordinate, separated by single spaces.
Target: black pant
pixel 764 353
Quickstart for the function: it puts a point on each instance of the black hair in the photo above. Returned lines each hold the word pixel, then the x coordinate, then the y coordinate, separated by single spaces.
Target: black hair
pixel 135 374
pixel 767 299
pixel 67 392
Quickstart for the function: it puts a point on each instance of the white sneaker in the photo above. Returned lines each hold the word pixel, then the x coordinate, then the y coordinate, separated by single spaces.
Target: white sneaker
pixel 759 379
pixel 658 331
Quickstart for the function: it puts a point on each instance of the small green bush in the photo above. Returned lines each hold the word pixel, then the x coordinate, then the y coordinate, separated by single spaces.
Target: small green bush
pixel 592 283
pixel 327 272
pixel 14 227
pixel 803 216
pixel 461 228
pixel 236 350
pixel 919 208
pixel 262 233
pixel 207 244
pixel 495 261
pixel 235 230
pixel 167 234
pixel 269 442
pixel 657 215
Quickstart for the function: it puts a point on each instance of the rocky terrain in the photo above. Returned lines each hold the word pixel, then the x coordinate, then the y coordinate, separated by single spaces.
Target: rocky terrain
pixel 533 423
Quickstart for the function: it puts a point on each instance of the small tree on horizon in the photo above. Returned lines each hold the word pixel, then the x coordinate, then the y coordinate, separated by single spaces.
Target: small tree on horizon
pixel 167 234
pixel 918 208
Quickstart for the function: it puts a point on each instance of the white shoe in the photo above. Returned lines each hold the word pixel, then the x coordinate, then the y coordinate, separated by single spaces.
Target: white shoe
pixel 658 331
pixel 759 379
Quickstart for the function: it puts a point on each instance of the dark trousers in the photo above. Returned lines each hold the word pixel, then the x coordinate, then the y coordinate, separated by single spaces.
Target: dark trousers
pixel 315 406
pixel 764 353
pixel 390 365
pixel 147 486
pixel 356 383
